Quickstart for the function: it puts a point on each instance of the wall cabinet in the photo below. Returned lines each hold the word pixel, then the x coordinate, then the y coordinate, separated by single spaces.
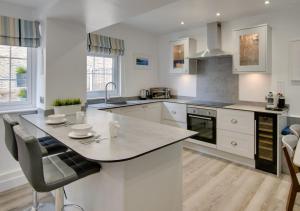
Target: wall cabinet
pixel 181 51
pixel 252 49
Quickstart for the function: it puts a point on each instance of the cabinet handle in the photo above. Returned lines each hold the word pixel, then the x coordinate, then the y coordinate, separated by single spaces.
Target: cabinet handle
pixel 234 121
pixel 234 143
pixel 173 112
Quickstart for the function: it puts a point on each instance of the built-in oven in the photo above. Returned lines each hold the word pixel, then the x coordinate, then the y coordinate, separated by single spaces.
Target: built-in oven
pixel 203 121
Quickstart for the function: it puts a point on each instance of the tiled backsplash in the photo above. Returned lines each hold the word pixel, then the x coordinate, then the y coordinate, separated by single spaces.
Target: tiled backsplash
pixel 215 81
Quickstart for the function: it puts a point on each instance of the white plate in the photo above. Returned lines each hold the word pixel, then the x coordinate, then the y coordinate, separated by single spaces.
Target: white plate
pixel 53 122
pixel 73 135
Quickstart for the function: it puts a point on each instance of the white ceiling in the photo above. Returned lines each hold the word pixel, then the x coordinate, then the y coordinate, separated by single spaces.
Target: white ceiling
pixel 96 14
pixel 198 12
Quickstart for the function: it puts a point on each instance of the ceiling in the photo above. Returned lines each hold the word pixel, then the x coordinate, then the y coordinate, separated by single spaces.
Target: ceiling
pixel 96 14
pixel 198 12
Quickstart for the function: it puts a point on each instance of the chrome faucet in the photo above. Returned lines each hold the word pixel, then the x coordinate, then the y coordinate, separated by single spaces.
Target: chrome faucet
pixel 106 89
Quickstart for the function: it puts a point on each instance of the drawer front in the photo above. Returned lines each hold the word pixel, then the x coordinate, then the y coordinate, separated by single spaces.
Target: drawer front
pixel 174 112
pixel 236 143
pixel 234 120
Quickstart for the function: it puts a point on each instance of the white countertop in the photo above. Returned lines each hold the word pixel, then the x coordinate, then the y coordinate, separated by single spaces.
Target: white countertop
pixel 253 108
pixel 136 136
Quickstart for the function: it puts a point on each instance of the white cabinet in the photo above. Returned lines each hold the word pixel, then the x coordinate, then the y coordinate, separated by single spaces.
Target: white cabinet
pixel 236 143
pixel 133 111
pixel 252 49
pixel 235 132
pixel 150 112
pixel 174 114
pixel 236 121
pixel 181 51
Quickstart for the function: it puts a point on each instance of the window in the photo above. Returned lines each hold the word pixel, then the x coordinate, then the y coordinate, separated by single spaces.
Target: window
pixel 100 71
pixel 15 76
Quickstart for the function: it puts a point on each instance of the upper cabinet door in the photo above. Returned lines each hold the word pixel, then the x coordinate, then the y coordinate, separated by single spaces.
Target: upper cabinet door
pixel 252 49
pixel 181 50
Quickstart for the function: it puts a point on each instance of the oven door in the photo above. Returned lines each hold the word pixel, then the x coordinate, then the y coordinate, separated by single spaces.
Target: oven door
pixel 205 126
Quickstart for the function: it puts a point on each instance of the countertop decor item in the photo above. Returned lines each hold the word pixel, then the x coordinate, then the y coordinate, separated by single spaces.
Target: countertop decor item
pixel 67 106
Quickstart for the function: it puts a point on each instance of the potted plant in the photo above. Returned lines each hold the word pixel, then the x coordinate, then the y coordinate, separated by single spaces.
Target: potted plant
pixel 21 76
pixel 22 93
pixel 67 106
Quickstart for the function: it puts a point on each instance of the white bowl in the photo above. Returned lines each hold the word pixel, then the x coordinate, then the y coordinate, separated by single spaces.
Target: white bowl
pixel 81 129
pixel 57 117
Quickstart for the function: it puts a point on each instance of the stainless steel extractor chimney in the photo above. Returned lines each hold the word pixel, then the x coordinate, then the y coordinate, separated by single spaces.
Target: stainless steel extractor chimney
pixel 213 43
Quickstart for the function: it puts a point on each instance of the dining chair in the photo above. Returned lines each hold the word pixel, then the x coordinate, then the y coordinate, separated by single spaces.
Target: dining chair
pixel 289 144
pixel 295 129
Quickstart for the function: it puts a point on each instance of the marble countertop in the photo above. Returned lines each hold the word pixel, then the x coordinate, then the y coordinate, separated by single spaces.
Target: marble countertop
pixel 136 137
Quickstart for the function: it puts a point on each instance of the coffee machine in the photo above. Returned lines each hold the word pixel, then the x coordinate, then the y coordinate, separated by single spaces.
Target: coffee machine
pixel 272 100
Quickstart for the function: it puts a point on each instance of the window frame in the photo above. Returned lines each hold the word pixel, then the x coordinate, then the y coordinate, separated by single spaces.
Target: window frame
pixel 30 80
pixel 116 79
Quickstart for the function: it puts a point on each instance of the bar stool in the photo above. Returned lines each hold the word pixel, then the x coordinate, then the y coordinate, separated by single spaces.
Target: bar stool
pixel 48 145
pixel 295 129
pixel 50 173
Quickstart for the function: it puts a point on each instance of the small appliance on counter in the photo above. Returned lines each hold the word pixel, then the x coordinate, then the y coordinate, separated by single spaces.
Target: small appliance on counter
pixel 160 93
pixel 275 101
pixel 272 101
pixel 281 101
pixel 144 94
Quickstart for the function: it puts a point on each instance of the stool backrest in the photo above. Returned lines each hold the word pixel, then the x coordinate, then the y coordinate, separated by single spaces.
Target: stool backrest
pixel 30 157
pixel 289 143
pixel 295 129
pixel 10 140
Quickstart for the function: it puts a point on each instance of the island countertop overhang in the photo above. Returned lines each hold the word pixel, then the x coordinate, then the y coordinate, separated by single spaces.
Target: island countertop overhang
pixel 136 137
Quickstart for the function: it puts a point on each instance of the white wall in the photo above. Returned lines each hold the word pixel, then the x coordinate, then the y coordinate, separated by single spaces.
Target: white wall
pixel 136 42
pixel 285 27
pixel 64 61
pixel 252 87
pixel 12 10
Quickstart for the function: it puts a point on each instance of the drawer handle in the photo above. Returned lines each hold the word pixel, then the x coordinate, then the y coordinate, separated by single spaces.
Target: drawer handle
pixel 234 143
pixel 234 121
pixel 173 112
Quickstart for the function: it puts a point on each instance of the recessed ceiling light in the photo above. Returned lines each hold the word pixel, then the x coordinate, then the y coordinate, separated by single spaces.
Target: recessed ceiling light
pixel 218 14
pixel 267 2
pixel 182 22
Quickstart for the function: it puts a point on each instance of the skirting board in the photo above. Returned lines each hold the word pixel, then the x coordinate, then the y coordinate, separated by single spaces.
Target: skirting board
pixel 219 154
pixel 12 179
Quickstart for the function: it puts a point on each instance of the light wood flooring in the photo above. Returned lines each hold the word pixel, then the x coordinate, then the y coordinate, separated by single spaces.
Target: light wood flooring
pixel 209 184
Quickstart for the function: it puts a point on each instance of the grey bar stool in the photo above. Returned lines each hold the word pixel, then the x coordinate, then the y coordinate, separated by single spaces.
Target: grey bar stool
pixel 48 145
pixel 50 173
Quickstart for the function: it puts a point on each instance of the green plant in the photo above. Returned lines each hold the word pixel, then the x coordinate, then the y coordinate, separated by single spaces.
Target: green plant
pixel 22 93
pixel 66 102
pixel 21 70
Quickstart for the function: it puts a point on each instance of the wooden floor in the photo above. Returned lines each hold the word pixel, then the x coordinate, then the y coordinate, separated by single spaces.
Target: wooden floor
pixel 208 184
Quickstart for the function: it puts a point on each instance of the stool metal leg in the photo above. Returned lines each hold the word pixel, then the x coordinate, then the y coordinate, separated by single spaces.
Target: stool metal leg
pixel 59 199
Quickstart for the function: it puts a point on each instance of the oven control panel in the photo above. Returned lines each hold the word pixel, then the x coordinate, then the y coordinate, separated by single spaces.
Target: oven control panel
pixel 202 112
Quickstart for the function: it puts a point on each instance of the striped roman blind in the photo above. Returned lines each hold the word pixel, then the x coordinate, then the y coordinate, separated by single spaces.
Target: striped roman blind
pixel 19 32
pixel 104 45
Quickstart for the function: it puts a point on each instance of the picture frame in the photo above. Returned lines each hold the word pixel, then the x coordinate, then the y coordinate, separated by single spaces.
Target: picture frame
pixel 142 62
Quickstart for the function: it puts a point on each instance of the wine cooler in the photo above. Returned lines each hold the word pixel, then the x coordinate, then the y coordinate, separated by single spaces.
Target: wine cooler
pixel 266 142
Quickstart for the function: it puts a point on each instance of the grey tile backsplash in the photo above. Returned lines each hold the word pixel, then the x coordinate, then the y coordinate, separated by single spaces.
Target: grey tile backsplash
pixel 215 81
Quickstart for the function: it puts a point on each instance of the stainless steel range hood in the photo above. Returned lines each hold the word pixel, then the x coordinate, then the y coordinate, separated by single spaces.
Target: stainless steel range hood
pixel 213 43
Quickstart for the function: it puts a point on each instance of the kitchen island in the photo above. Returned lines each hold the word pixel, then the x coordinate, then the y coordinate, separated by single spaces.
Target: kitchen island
pixel 141 168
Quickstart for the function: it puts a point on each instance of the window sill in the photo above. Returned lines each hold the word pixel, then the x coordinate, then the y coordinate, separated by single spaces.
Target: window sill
pixel 18 110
